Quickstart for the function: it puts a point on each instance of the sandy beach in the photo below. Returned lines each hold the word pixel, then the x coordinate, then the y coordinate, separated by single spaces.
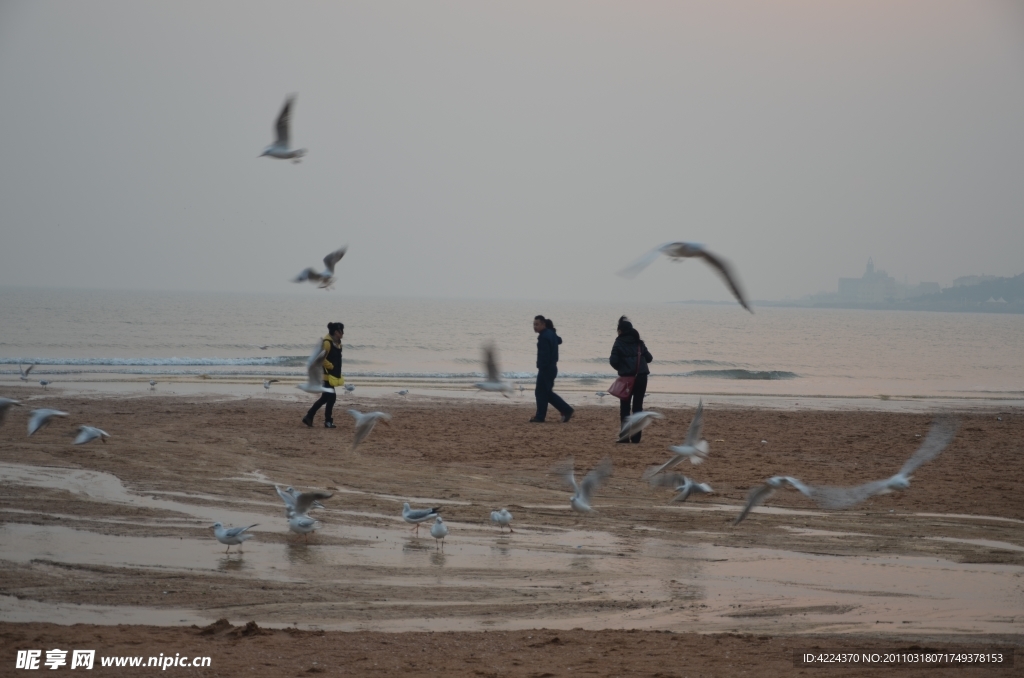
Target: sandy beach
pixel 117 534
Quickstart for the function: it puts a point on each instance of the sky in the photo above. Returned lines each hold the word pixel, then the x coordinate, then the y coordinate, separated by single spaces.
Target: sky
pixel 523 150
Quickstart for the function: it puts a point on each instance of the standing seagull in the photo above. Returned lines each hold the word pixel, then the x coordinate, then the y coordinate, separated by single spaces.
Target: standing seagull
pixel 315 372
pixel 637 422
pixel 44 383
pixel 693 448
pixel 503 518
pixel 40 418
pixel 325 278
pixel 760 494
pixel 365 424
pixel 580 501
pixel 938 438
pixel 88 434
pixel 24 372
pixel 152 384
pixel 349 388
pixel 300 523
pixel 280 148
pixel 232 536
pixel 493 383
pixel 683 486
pixel 419 515
pixel 438 531
pixel 6 404
pixel 677 251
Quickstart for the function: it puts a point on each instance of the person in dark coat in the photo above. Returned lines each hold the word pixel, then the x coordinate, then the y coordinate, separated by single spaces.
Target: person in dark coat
pixel 332 376
pixel 547 370
pixel 627 349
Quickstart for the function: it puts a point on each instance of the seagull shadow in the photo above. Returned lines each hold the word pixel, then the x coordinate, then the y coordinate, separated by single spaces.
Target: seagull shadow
pixel 438 558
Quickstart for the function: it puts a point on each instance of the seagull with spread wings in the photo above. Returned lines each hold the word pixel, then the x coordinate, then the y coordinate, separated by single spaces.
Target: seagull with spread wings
pixel 758 495
pixel 365 423
pixel 281 149
pixel 325 278
pixel 315 372
pixel 25 371
pixel 683 485
pixel 637 422
pixel 693 447
pixel 677 251
pixel 301 502
pixel 493 382
pixel 6 404
pixel 583 492
pixel 87 434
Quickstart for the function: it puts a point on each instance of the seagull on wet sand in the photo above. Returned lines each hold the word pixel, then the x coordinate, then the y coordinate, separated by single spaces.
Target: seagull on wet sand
pixel 300 523
pixel 417 516
pixel 584 491
pixel 152 384
pixel 601 395
pixel 232 536
pixel 693 447
pixel 39 418
pixel 493 382
pixel 677 251
pixel 280 148
pixel 315 372
pixel 365 423
pixel 758 495
pixel 683 485
pixel 938 438
pixel 25 371
pixel 6 404
pixel 503 518
pixel 268 382
pixel 301 502
pixel 44 383
pixel 349 388
pixel 325 278
pixel 89 433
pixel 438 531
pixel 637 422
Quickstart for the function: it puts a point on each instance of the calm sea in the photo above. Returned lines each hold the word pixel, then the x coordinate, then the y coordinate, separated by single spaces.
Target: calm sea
pixel 106 335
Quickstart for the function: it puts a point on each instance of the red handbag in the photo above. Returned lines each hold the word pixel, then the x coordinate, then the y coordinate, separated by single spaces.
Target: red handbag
pixel 622 388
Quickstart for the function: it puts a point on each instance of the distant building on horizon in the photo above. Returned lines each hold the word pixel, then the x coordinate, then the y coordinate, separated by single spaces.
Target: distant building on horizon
pixel 876 287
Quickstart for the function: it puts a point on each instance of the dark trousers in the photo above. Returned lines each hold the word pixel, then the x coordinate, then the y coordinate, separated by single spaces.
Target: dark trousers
pixel 545 394
pixel 325 399
pixel 635 402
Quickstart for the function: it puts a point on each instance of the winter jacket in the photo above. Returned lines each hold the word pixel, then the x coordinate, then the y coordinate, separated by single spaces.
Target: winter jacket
pixel 623 357
pixel 332 363
pixel 547 350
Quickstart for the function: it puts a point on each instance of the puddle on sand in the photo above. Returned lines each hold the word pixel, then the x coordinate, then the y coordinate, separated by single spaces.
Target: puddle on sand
pixel 27 611
pixel 1002 545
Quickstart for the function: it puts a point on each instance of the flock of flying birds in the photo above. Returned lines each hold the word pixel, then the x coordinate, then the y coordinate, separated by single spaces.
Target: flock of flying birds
pixel 693 448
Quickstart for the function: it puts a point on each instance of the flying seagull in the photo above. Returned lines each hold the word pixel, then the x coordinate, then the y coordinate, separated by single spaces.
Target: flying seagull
pixel 268 382
pixel 693 447
pixel 231 536
pixel 325 278
pixel 677 251
pixel 683 485
pixel 280 148
pixel 40 418
pixel 6 404
pixel 758 495
pixel 938 438
pixel 493 383
pixel 24 372
pixel 415 517
pixel 365 423
pixel 438 531
pixel 301 502
pixel 89 433
pixel 315 372
pixel 637 422
pixel 580 501
pixel 503 518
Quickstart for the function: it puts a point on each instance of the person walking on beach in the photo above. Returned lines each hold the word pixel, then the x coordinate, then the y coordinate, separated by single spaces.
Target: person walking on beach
pixel 332 376
pixel 547 370
pixel 626 351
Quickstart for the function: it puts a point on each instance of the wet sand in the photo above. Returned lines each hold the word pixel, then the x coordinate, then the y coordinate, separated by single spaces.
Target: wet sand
pixel 117 534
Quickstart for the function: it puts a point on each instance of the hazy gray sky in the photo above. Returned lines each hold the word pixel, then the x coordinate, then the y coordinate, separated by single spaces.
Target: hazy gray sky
pixel 523 150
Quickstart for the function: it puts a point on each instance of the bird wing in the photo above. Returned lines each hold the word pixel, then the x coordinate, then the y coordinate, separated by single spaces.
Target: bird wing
pixel 85 434
pixel 757 495
pixel 696 426
pixel 799 486
pixel 288 499
pixel 593 480
pixel 334 257
pixel 724 269
pixel 39 417
pixel 283 122
pixel 26 370
pixel 308 274
pixel 568 475
pixel 235 531
pixel 491 364
pixel 672 480
pixel 640 264
pixel 421 514
pixel 315 365
pixel 938 438
pixel 305 500
pixel 845 497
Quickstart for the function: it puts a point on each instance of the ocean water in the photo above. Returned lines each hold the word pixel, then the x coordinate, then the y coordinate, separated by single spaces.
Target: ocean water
pixel 83 335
